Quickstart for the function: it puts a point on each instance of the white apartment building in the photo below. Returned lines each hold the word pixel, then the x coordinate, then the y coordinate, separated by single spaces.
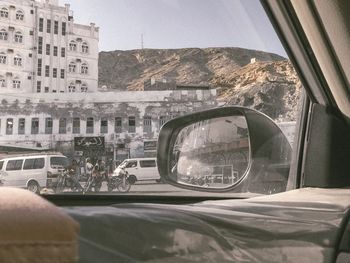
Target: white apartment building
pixel 42 50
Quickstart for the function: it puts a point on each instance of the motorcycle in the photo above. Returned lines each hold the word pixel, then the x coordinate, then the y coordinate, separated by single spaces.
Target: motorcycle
pixel 65 180
pixel 119 180
pixel 94 182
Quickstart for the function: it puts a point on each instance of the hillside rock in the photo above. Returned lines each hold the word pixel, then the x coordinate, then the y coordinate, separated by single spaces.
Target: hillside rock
pixel 128 70
pixel 270 87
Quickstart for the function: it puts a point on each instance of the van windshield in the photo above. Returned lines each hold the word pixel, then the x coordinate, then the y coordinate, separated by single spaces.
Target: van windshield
pixel 58 162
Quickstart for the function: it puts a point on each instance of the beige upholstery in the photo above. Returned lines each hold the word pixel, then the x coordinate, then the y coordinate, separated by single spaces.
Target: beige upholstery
pixel 34 230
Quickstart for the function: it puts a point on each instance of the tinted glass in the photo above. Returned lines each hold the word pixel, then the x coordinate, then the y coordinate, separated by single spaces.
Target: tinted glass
pixel 37 163
pixel 14 165
pixel 148 163
pixel 58 162
pixel 131 164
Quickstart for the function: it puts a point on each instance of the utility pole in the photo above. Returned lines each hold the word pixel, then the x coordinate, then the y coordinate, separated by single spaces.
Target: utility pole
pixel 142 41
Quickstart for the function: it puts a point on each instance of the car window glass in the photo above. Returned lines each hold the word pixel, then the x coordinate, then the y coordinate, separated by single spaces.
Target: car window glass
pixel 131 164
pixel 14 165
pixel 105 79
pixel 148 163
pixel 37 163
pixel 58 162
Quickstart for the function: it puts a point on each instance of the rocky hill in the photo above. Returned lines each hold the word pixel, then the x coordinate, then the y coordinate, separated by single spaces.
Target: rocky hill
pixel 121 70
pixel 269 85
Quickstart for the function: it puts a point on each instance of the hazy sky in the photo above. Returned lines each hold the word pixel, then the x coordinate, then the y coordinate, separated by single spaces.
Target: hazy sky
pixel 178 23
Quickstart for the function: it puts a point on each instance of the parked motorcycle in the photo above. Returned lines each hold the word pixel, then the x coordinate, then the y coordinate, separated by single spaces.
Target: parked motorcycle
pixel 94 182
pixel 65 180
pixel 119 180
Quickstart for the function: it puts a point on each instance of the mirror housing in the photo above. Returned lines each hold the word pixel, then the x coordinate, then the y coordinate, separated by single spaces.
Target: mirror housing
pixel 270 152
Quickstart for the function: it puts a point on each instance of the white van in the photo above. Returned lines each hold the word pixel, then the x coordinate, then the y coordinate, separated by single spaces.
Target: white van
pixel 141 169
pixel 32 171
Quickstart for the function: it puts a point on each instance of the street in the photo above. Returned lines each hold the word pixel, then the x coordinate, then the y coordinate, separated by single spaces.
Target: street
pixel 140 188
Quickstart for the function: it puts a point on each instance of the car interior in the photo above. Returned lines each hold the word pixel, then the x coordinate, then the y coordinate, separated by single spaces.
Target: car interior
pixel 310 222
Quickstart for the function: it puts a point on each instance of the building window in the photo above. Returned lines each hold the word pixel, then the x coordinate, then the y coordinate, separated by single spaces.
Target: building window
pixel 54 72
pixel 90 125
pixel 17 61
pixel 63 52
pixel 18 37
pixel 38 86
pixel 132 125
pixel 3 58
pixel 40 45
pixel 84 88
pixel 104 125
pixel 62 126
pixel 3 34
pixel 2 82
pixel 73 46
pixel 76 125
pixel 84 69
pixel 64 28
pixel 48 125
pixel 55 30
pixel 4 12
pixel 85 48
pixel 48 26
pixel 40 65
pixel 48 49
pixel 47 89
pixel 71 87
pixel 20 15
pixel 55 51
pixel 47 71
pixel 21 126
pixel 118 125
pixel 72 68
pixel 16 84
pixel 9 126
pixel 41 24
pixel 147 124
pixel 62 73
pixel 35 126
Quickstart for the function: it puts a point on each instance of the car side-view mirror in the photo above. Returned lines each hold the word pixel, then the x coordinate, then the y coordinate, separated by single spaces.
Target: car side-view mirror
pixel 224 149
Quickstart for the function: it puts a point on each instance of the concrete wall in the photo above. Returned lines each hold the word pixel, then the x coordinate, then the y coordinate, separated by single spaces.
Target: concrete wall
pixel 157 105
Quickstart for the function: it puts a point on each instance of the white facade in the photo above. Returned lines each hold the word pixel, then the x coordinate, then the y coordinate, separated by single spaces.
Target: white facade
pixel 36 49
pixel 128 117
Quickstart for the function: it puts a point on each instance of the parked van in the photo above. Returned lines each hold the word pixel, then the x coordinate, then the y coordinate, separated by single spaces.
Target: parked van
pixel 32 171
pixel 141 169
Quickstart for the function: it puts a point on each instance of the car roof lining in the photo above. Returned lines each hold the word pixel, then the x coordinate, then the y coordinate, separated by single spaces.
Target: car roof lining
pixel 313 18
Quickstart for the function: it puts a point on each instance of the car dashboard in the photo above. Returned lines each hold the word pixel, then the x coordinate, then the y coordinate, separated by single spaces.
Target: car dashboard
pixel 289 227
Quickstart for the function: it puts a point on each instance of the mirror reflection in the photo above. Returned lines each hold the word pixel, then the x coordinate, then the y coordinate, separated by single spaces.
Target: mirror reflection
pixel 212 153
